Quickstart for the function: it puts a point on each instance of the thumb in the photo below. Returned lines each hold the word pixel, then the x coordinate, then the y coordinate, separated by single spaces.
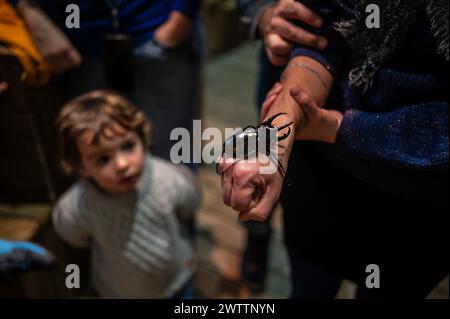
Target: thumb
pixel 304 101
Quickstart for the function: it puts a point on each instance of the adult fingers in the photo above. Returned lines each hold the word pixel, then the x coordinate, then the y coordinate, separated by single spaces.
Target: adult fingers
pixel 247 185
pixel 262 210
pixel 277 45
pixel 295 34
pixel 245 180
pixel 242 196
pixel 305 101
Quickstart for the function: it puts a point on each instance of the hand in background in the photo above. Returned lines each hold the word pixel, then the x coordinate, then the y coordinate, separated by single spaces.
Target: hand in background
pixel 51 42
pixel 280 34
pixel 175 31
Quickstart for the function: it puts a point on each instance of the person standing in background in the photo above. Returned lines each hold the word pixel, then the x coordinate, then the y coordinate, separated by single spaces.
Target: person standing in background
pixel 153 47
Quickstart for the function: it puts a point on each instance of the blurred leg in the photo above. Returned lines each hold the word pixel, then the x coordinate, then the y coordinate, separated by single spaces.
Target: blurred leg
pixel 312 282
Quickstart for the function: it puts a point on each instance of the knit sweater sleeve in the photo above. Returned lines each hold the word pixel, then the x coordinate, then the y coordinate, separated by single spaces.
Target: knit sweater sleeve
pixel 414 136
pixel 69 220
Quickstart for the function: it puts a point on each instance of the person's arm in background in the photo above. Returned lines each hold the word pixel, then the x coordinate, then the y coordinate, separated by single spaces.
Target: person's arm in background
pixel 178 27
pixel 51 42
pixel 275 22
pixel 310 73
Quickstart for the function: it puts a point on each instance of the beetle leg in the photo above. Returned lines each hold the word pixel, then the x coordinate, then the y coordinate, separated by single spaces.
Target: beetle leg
pixel 269 121
pixel 251 126
pixel 284 136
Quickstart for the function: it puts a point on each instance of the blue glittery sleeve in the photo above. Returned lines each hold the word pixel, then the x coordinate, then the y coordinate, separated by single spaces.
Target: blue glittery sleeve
pixel 415 136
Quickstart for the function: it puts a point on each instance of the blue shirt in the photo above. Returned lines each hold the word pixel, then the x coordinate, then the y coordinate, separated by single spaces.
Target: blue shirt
pixel 138 18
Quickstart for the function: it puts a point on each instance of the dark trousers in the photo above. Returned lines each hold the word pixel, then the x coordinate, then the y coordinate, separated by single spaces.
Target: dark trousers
pixel 336 225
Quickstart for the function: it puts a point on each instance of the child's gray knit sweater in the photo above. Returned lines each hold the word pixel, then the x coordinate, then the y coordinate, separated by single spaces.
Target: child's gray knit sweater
pixel 138 247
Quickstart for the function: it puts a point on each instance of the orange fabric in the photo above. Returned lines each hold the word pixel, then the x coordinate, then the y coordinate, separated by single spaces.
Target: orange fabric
pixel 14 34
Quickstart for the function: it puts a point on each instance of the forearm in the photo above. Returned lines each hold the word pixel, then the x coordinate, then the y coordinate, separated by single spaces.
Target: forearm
pixel 315 80
pixel 309 75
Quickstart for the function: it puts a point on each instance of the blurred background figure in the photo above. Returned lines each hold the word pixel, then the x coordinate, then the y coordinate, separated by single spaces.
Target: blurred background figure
pixel 150 50
pixel 23 256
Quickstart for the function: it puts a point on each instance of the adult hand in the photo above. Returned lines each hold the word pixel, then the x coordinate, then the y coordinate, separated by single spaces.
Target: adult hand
pixel 175 31
pixel 320 124
pixel 280 34
pixel 249 192
pixel 252 187
pixel 51 42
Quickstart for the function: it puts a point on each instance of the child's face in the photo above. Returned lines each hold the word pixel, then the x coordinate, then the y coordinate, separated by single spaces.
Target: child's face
pixel 116 162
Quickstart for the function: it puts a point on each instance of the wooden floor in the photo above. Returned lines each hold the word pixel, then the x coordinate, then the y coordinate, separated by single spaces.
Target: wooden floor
pixel 230 102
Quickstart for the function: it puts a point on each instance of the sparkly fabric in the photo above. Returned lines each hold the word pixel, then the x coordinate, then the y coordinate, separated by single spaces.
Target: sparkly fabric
pixel 395 135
